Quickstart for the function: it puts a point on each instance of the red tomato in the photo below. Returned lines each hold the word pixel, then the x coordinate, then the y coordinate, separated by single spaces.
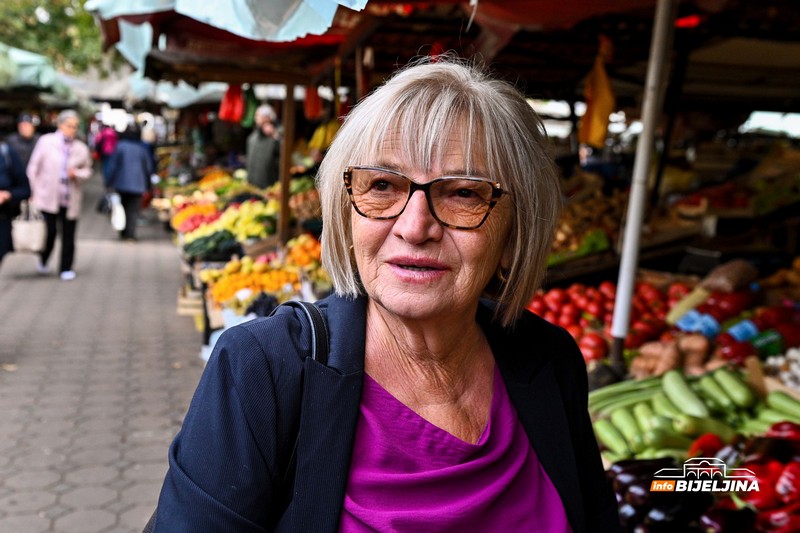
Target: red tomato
pixel 555 298
pixel 608 289
pixel 575 331
pixel 550 316
pixel 576 288
pixel 537 306
pixel 591 354
pixel 678 290
pixel 571 310
pixel 594 340
pixel 580 300
pixel 594 309
pixel 565 320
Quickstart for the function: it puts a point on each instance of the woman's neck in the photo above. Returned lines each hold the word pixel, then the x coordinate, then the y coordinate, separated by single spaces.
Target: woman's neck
pixel 443 373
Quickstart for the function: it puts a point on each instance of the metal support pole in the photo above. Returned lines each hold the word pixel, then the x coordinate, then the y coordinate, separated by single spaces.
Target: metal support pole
pixel 663 24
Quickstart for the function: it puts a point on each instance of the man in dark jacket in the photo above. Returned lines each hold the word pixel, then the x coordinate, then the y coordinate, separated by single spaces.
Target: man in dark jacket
pixel 14 188
pixel 129 169
pixel 263 149
pixel 25 139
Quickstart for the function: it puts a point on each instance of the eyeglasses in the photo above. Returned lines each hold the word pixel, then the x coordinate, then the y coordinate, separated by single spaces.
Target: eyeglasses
pixel 458 202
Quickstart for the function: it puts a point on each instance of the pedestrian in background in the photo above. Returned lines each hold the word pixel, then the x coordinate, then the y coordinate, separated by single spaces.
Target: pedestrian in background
pixel 59 165
pixel 25 139
pixel 14 188
pixel 128 173
pixel 263 149
pixel 105 142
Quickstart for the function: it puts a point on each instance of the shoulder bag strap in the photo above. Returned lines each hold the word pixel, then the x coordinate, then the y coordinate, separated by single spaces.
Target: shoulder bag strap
pixel 319 352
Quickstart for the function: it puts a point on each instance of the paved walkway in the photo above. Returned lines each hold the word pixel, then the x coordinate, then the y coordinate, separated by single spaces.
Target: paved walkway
pixel 95 376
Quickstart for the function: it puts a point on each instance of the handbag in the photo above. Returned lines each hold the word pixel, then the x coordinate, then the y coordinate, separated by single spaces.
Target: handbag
pixel 28 230
pixel 117 212
pixel 319 353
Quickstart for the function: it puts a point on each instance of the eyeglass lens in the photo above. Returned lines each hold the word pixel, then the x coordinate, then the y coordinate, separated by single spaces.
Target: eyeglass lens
pixel 455 201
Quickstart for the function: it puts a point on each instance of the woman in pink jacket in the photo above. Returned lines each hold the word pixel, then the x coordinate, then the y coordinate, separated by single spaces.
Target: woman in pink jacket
pixel 59 165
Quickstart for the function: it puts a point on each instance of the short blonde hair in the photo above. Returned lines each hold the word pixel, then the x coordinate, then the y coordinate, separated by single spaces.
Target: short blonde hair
pixel 418 108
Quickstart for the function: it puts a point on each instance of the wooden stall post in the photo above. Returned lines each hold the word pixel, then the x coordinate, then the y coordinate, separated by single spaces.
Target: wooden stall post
pixel 287 144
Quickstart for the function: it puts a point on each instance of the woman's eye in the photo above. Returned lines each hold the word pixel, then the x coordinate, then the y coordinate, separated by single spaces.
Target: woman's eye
pixel 380 185
pixel 465 193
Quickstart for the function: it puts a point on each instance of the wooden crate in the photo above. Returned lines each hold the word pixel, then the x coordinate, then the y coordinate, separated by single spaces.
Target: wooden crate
pixel 190 302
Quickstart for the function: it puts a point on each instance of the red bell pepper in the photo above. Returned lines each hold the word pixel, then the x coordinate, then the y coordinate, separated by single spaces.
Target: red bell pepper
pixel 767 474
pixel 706 445
pixel 788 484
pixel 784 430
pixel 782 520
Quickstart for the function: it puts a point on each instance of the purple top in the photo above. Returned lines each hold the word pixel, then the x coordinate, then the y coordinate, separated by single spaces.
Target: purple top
pixel 409 475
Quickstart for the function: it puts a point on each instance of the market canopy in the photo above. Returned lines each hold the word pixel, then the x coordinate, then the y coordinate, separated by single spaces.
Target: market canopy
pixel 736 53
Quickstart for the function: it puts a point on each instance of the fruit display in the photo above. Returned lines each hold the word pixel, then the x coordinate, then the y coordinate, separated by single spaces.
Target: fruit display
pixel 275 281
pixel 249 220
pixel 670 416
pixel 192 216
pixel 774 183
pixel 587 313
pixel 587 225
pixel 279 274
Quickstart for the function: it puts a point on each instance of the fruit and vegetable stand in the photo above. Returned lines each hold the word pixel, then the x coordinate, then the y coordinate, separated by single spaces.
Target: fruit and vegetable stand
pixel 712 376
pixel 235 266
pixel 713 362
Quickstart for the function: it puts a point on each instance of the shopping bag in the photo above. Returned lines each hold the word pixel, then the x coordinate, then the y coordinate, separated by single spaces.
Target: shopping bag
pixel 117 212
pixel 28 230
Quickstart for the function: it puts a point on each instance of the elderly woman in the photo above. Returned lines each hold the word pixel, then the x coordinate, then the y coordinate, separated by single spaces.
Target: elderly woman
pixel 438 410
pixel 59 166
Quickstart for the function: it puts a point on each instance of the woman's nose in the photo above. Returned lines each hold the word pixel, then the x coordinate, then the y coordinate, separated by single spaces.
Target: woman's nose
pixel 416 223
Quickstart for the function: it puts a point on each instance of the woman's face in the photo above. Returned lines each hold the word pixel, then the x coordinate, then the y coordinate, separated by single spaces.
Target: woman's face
pixel 416 268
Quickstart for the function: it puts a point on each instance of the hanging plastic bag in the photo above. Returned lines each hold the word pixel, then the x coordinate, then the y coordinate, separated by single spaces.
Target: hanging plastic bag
pixel 312 105
pixel 117 212
pixel 250 105
pixel 231 108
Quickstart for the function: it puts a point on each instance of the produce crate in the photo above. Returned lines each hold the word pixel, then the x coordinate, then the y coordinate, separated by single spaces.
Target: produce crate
pixel 190 302
pixel 662 280
pixel 593 242
pixel 263 246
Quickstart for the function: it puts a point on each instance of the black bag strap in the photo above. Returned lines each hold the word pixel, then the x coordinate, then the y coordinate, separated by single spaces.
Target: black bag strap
pixel 319 330
pixel 319 353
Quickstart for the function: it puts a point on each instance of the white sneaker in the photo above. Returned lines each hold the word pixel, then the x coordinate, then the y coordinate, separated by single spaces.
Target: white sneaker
pixel 68 275
pixel 41 268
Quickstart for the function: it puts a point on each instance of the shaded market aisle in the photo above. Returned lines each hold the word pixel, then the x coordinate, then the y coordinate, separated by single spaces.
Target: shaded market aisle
pixel 95 376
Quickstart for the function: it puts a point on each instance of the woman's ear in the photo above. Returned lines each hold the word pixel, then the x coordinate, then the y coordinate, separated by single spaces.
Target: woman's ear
pixel 508 256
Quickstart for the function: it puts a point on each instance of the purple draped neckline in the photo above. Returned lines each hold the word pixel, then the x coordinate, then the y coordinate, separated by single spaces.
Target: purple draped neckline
pixel 409 475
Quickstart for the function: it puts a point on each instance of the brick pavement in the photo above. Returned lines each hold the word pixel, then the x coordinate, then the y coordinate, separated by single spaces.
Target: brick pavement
pixel 95 376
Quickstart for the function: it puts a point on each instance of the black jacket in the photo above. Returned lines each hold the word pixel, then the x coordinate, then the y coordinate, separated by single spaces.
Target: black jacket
pixel 228 464
pixel 14 179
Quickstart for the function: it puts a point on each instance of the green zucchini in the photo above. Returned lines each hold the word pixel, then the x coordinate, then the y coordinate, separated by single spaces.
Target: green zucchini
pixel 611 438
pixel 663 406
pixel 738 391
pixel 682 396
pixel 695 426
pixel 643 412
pixel 712 389
pixel 625 422
pixel 780 401
pixel 773 416
pixel 666 438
